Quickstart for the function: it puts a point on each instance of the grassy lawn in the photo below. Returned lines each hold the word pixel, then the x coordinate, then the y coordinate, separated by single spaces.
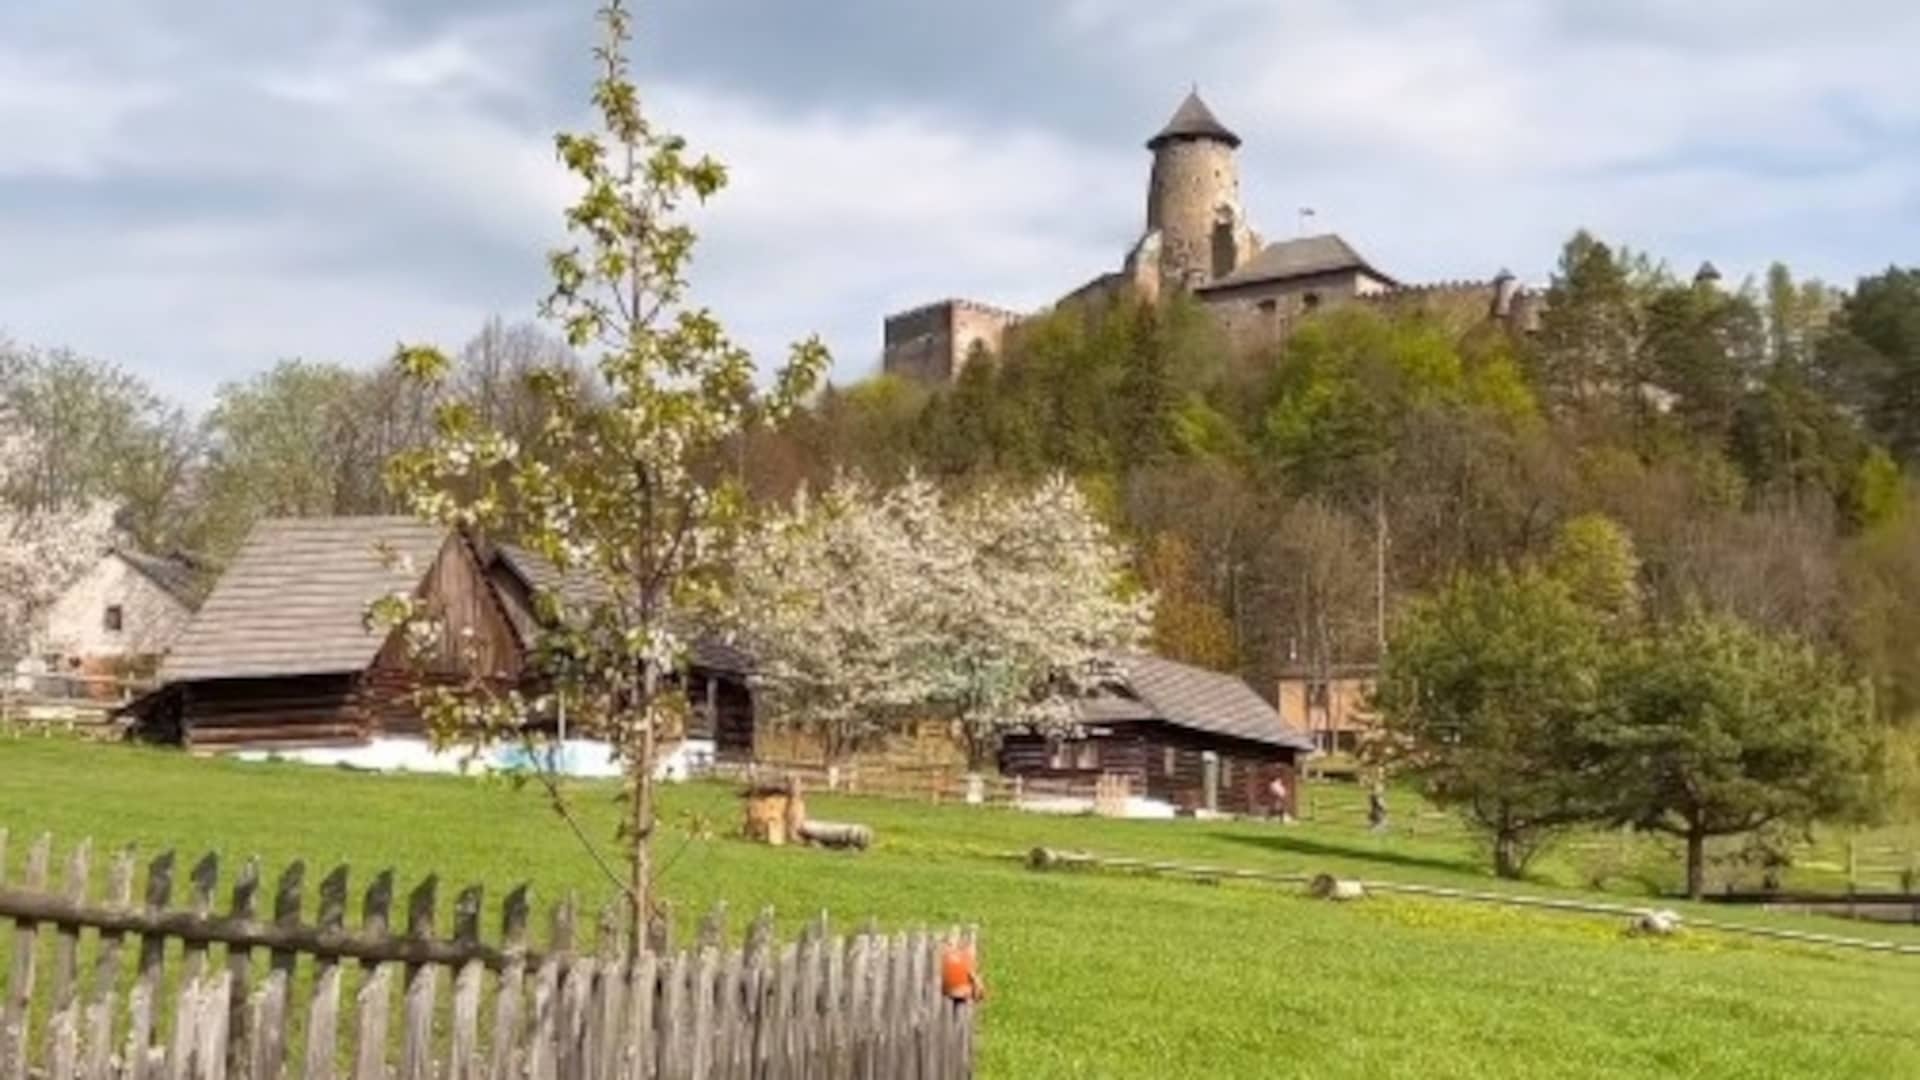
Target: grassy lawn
pixel 1100 975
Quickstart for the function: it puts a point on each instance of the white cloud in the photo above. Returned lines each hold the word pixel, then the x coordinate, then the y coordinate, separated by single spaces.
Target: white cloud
pixel 197 209
pixel 832 218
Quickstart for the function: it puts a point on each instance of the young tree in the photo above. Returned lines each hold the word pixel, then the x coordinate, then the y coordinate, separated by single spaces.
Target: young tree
pixel 1717 729
pixel 1585 350
pixel 1486 696
pixel 626 491
pixel 1594 558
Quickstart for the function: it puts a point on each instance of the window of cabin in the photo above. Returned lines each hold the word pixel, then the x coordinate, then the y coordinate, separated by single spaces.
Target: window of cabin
pixel 1317 694
pixel 1269 306
pixel 1169 761
pixel 1066 754
pixel 115 618
pixel 1310 301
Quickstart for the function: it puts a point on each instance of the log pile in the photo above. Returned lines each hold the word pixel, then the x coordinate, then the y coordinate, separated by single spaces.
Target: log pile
pixel 776 814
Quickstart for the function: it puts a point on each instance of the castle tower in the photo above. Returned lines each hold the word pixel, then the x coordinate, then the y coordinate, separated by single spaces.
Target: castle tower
pixel 1193 198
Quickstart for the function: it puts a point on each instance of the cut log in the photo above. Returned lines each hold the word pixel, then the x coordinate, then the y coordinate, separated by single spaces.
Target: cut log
pixel 1328 887
pixel 835 834
pixel 1660 923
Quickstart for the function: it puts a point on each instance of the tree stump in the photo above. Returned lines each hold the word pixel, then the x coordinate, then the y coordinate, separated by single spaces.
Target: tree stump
pixel 775 811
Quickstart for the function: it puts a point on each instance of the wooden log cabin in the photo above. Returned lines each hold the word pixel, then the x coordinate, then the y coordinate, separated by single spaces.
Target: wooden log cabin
pixel 281 655
pixel 1190 737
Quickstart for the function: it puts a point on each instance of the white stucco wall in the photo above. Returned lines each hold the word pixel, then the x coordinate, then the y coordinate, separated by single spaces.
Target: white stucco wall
pixel 76 624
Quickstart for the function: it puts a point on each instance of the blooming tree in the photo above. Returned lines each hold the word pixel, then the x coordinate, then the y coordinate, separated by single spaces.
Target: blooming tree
pixel 41 552
pixel 839 599
pixel 625 491
pixel 998 609
pixel 1031 621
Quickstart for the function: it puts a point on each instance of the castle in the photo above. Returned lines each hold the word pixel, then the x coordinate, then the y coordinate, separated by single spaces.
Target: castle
pixel 1198 241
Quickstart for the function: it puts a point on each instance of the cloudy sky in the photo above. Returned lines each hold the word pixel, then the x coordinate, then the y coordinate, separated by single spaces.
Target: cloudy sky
pixel 197 188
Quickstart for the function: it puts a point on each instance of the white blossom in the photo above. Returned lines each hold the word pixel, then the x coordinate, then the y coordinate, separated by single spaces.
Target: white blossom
pixel 863 607
pixel 41 553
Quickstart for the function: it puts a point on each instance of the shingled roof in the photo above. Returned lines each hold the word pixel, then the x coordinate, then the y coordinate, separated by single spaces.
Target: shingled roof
pixel 1193 120
pixel 173 574
pixel 294 600
pixel 705 650
pixel 1203 700
pixel 1304 257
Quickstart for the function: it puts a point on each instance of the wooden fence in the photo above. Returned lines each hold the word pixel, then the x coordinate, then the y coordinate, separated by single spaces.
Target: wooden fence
pixel 74 704
pixel 89 991
pixel 918 784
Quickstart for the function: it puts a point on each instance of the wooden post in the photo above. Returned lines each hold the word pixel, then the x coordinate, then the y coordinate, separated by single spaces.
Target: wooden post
pixel 416 1050
pixel 246 887
pixel 374 999
pixel 1853 873
pixel 323 1012
pixel 106 974
pixel 136 1063
pixel 16 1022
pixel 464 1061
pixel 508 1055
pixel 63 1028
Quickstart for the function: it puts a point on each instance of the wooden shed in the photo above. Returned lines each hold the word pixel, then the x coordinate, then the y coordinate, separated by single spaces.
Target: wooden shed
pixel 1194 738
pixel 281 655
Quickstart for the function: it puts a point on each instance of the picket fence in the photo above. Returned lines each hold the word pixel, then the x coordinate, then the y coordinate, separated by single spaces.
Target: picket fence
pixel 90 992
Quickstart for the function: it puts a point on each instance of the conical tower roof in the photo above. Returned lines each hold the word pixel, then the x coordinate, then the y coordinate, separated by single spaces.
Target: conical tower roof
pixel 1193 120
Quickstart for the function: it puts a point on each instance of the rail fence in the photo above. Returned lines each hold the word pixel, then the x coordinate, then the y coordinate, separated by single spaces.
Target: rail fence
pixel 922 785
pixel 260 992
pixel 71 704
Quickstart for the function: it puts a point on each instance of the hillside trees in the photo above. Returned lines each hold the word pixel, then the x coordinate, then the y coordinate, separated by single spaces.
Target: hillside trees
pixel 1873 358
pixel 85 431
pixel 626 490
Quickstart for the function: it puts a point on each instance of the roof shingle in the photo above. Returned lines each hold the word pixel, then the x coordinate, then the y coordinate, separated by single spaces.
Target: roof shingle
pixel 1193 120
pixel 294 600
pixel 1304 257
pixel 1209 701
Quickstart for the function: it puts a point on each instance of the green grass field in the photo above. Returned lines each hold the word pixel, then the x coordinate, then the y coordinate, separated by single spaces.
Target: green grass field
pixel 1101 975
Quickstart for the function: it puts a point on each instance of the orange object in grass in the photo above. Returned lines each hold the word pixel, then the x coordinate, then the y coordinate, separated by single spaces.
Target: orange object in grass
pixel 959 974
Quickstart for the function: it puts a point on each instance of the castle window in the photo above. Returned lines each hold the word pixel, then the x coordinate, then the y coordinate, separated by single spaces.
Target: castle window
pixel 115 618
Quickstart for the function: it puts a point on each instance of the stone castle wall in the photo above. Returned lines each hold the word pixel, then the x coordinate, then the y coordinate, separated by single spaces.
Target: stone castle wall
pixel 932 343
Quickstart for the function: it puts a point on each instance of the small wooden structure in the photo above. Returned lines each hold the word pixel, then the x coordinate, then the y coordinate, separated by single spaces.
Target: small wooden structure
pixel 278 986
pixel 1198 739
pixel 281 656
pixel 776 810
pixel 777 815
